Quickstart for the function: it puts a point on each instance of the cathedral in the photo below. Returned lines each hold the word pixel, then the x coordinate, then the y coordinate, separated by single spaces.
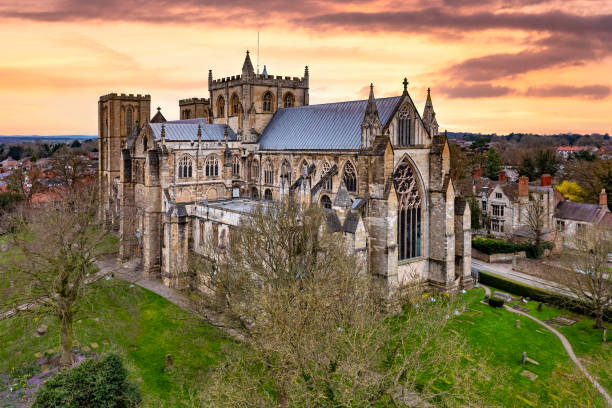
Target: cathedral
pixel 379 168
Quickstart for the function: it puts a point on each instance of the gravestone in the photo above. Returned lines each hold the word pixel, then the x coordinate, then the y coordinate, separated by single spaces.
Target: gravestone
pixel 524 358
pixel 502 295
pixel 540 307
pixel 518 324
pixel 529 374
pixel 169 361
pixel 42 330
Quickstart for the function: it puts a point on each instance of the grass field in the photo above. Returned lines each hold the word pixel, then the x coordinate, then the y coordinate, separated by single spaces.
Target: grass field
pixel 137 324
pixel 143 328
pixel 492 333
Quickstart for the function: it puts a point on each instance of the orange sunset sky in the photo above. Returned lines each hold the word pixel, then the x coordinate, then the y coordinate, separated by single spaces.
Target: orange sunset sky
pixel 493 66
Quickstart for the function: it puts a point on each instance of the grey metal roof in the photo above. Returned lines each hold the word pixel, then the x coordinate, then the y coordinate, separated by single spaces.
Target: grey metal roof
pixel 330 126
pixel 181 131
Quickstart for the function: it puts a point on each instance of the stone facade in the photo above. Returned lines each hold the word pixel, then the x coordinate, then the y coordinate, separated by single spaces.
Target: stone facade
pixel 380 170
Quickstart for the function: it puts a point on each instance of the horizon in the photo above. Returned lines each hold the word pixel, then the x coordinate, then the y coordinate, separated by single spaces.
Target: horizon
pixel 498 66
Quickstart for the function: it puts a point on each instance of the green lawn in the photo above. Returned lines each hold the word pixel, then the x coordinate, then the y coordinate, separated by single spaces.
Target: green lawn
pixel 144 328
pixel 139 325
pixel 586 342
pixel 492 334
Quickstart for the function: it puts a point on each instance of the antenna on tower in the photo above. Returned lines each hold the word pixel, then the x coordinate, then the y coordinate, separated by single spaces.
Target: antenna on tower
pixel 258 53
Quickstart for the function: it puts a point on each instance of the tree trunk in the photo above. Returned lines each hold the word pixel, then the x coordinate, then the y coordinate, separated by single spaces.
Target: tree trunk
pixel 66 338
pixel 599 322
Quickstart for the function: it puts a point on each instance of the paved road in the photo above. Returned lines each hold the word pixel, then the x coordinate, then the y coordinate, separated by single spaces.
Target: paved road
pixel 505 271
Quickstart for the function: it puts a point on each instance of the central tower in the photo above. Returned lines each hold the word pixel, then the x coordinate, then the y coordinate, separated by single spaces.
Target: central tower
pixel 246 102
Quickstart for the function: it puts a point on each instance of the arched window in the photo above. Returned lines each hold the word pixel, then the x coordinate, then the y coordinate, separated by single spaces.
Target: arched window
pixel 326 202
pixel 220 106
pixel 267 102
pixel 255 169
pixel 403 127
pixel 325 168
pixel 289 100
pixel 350 177
pixel 254 193
pixel 268 173
pixel 235 104
pixel 286 172
pixel 303 168
pixel 211 166
pixel 409 212
pixel 187 114
pixel 128 120
pixel 268 194
pixel 185 167
pixel 236 166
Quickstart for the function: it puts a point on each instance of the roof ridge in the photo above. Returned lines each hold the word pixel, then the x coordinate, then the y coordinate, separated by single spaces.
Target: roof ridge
pixel 339 102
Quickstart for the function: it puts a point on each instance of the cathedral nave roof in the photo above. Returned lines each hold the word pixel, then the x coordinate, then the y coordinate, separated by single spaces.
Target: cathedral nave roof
pixel 187 130
pixel 330 126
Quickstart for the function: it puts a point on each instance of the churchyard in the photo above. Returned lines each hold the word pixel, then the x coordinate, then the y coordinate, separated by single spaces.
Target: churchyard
pixel 170 352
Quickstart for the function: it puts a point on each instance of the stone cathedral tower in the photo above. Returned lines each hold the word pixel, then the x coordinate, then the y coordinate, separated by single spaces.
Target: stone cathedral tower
pixel 118 117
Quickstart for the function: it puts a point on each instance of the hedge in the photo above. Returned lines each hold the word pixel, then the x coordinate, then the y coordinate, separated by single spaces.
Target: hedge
pixel 496 302
pixel 537 294
pixel 497 246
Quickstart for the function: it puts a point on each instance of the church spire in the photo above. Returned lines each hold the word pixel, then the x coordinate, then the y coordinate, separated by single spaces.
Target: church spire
pixel 371 108
pixel 429 115
pixel 247 67
pixel 371 126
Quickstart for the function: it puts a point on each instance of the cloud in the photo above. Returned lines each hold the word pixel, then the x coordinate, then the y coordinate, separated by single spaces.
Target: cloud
pixel 474 91
pixel 569 91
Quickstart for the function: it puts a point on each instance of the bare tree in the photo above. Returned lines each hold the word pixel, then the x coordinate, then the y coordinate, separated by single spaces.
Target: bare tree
pixel 586 275
pixel 535 221
pixel 69 164
pixel 58 242
pixel 322 331
pixel 26 183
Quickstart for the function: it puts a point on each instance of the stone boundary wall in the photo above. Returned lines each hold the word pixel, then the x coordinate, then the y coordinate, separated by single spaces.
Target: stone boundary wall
pixel 496 258
pixel 537 268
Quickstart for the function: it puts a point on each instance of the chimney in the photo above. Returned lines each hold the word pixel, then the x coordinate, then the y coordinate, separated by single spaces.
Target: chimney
pixel 477 173
pixel 523 186
pixel 501 176
pixel 546 180
pixel 603 199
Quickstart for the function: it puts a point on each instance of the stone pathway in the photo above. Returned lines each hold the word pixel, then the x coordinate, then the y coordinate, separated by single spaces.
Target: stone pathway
pixel 566 345
pixel 133 273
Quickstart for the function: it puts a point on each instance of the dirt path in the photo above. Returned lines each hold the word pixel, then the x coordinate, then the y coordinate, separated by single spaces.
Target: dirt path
pixel 566 345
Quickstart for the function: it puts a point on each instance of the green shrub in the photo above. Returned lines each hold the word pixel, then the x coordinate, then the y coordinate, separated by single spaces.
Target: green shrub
pixel 497 246
pixel 496 302
pixel 92 384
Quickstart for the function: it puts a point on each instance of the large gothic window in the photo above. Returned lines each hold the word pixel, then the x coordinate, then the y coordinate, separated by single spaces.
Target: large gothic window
pixel 235 103
pixel 128 120
pixel 286 172
pixel 255 169
pixel 325 168
pixel 185 167
pixel 267 102
pixel 236 166
pixel 268 173
pixel 211 167
pixel 350 177
pixel 221 106
pixel 403 127
pixel 409 212
pixel 289 101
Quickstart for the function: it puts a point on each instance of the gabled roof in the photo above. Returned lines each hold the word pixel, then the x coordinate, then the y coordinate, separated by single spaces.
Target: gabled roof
pixel 158 118
pixel 569 210
pixel 509 189
pixel 188 131
pixel 330 126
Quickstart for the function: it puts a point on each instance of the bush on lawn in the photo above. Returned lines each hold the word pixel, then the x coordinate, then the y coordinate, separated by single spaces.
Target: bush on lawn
pixel 496 302
pixel 93 384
